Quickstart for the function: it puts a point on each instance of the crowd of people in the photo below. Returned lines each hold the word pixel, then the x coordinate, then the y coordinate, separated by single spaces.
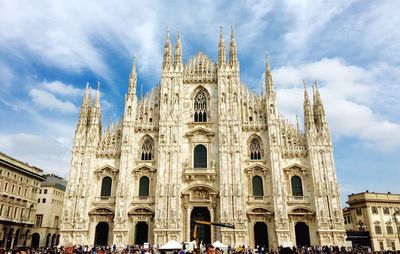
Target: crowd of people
pixel 209 249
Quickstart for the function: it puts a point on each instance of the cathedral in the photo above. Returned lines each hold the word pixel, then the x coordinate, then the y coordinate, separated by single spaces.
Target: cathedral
pixel 202 146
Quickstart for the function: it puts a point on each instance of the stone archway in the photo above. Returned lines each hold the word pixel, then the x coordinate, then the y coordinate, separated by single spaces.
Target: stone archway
pixel 101 234
pixel 203 231
pixel 302 234
pixel 141 232
pixel 35 240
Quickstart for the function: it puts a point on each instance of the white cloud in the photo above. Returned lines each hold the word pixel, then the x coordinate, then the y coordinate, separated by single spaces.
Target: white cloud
pixel 349 93
pixel 47 153
pixel 58 87
pixel 48 101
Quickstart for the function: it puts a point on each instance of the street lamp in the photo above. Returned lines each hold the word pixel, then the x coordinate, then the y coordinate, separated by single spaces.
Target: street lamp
pixel 396 219
pixel 361 226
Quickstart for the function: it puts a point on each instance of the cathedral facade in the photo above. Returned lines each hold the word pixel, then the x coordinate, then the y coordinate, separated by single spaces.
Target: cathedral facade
pixel 201 145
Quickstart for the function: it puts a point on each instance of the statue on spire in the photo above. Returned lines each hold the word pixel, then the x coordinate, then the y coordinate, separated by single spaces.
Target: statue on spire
pixel 233 57
pixel 167 51
pixel 178 50
pixel 132 78
pixel 221 48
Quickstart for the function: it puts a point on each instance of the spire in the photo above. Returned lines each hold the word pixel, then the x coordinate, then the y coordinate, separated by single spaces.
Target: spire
pixel 178 50
pixel 167 51
pixel 319 111
pixel 133 78
pixel 308 116
pixel 233 58
pixel 97 99
pixel 221 48
pixel 269 86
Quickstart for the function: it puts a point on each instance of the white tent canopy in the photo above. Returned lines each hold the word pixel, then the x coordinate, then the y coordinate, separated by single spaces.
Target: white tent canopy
pixel 218 244
pixel 171 245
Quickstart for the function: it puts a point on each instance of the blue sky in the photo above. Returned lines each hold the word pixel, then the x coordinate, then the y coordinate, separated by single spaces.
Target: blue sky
pixel 50 49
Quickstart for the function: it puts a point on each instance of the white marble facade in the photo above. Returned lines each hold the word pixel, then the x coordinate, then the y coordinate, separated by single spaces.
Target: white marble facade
pixel 202 144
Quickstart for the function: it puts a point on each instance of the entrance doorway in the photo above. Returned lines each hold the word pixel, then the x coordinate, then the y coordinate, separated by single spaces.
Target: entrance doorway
pixel 101 235
pixel 302 234
pixel 261 235
pixel 141 232
pixel 35 240
pixel 203 231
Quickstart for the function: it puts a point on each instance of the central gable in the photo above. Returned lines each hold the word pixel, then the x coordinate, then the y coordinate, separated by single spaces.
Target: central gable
pixel 200 69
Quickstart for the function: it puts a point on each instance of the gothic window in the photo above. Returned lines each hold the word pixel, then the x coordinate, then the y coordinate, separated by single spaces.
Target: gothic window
pixel 258 190
pixel 200 107
pixel 200 157
pixel 106 187
pixel 144 186
pixel 297 188
pixel 255 149
pixel 147 150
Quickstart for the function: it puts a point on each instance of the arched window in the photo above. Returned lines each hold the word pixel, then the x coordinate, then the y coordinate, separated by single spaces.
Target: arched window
pixel 297 188
pixel 200 107
pixel 106 187
pixel 258 190
pixel 255 149
pixel 147 150
pixel 200 156
pixel 144 186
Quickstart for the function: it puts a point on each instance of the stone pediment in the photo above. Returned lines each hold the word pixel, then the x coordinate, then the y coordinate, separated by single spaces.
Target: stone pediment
pixel 200 131
pixel 106 170
pixel 295 168
pixel 256 169
pixel 143 168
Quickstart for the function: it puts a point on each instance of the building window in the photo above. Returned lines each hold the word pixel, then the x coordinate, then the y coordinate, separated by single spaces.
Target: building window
pixel 358 211
pixel 255 149
pixel 38 200
pixel 5 186
pixel 393 245
pixel 38 221
pixel 106 187
pixel 40 191
pixel 258 190
pixel 386 210
pixel 147 150
pixel 378 229
pixel 389 230
pixel 200 157
pixel 56 219
pixel 297 188
pixel 19 190
pixel 44 200
pixel 381 245
pixel 144 186
pixel 45 191
pixel 200 107
pixel 374 210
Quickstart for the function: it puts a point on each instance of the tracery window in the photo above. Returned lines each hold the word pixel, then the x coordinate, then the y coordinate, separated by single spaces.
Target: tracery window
pixel 200 107
pixel 200 157
pixel 147 150
pixel 144 186
pixel 297 188
pixel 106 187
pixel 258 190
pixel 255 149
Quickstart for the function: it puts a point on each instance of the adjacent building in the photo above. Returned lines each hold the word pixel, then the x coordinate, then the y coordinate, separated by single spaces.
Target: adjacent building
pixel 19 188
pixel 50 199
pixel 376 214
pixel 202 145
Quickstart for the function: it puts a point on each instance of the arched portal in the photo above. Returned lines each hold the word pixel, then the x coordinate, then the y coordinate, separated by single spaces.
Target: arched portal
pixel 101 235
pixel 141 232
pixel 302 234
pixel 35 240
pixel 260 235
pixel 48 240
pixel 53 240
pixel 203 231
pixel 16 238
pixel 9 239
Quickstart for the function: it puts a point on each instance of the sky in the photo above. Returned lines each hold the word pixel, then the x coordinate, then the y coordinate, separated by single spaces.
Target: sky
pixel 49 50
